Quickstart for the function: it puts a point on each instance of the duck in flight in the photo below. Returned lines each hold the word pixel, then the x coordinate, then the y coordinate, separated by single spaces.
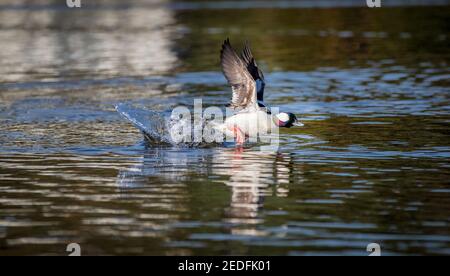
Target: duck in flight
pixel 247 84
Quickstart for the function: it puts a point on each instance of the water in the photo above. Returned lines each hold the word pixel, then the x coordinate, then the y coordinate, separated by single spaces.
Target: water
pixel 370 165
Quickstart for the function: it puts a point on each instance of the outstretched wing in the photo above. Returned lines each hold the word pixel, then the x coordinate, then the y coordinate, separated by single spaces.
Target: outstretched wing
pixel 256 73
pixel 238 76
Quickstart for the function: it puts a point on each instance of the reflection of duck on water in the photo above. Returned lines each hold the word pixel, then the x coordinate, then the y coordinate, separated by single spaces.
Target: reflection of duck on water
pixel 164 162
pixel 252 176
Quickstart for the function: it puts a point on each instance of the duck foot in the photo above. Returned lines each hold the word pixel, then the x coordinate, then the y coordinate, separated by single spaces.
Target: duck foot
pixel 239 136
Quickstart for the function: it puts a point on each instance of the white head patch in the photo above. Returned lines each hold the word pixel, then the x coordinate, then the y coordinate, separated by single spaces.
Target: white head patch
pixel 284 117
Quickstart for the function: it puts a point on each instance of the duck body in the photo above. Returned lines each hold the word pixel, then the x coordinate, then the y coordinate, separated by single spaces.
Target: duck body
pixel 248 123
pixel 247 83
pixel 253 122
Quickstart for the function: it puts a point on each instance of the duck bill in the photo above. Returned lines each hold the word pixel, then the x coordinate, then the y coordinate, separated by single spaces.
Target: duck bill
pixel 298 124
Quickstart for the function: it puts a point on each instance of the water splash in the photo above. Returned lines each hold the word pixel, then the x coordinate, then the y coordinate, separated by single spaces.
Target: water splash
pixel 165 128
pixel 152 124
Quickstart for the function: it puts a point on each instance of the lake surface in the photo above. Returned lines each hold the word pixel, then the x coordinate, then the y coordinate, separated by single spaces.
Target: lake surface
pixel 370 165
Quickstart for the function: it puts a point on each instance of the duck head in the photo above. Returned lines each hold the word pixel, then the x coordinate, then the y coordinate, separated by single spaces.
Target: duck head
pixel 286 119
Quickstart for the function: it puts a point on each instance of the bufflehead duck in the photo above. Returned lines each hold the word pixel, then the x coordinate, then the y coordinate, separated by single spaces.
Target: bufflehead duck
pixel 247 84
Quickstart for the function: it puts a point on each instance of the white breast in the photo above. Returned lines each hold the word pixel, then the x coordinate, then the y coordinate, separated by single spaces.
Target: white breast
pixel 252 123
